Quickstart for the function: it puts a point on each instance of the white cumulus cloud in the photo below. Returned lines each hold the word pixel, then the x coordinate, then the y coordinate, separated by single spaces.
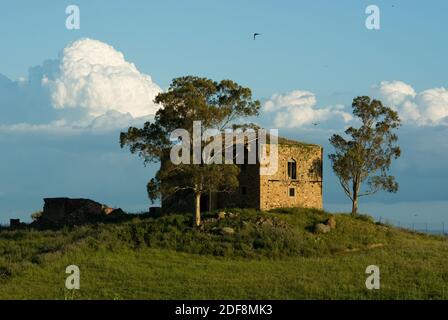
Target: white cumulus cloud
pixel 90 86
pixel 425 108
pixel 298 108
pixel 396 92
pixel 94 76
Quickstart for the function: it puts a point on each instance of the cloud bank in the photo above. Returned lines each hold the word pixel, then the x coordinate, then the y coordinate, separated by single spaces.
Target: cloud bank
pixel 298 108
pixel 426 108
pixel 94 76
pixel 90 85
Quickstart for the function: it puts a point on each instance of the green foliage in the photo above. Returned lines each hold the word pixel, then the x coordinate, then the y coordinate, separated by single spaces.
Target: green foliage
pixel 36 215
pixel 365 217
pixel 218 106
pixel 271 255
pixel 366 157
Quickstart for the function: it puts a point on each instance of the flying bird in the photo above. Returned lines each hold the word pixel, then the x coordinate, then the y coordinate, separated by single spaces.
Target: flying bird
pixel 315 123
pixel 256 34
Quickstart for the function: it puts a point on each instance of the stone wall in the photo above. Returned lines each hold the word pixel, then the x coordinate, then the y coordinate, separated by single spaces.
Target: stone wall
pixel 275 189
pixel 248 193
pixel 266 192
pixel 180 202
pixel 68 211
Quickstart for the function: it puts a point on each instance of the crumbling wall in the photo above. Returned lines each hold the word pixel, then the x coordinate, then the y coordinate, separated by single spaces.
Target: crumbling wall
pixel 73 211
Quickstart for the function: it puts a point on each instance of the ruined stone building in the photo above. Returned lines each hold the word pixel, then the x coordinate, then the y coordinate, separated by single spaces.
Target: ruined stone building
pixel 67 211
pixel 297 183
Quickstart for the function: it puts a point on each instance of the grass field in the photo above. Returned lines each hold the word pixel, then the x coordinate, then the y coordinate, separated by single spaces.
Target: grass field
pixel 163 258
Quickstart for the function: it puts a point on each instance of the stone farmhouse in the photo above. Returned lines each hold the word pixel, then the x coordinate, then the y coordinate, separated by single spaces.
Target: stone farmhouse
pixel 297 183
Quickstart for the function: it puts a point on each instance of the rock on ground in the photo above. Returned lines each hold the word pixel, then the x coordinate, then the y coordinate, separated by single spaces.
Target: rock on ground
pixel 227 231
pixel 331 222
pixel 322 228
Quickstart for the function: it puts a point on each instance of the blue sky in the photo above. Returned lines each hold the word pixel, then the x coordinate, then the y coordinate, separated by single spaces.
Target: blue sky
pixel 319 47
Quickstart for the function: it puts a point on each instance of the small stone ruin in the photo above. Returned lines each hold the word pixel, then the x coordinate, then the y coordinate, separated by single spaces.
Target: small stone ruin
pixel 67 211
pixel 16 224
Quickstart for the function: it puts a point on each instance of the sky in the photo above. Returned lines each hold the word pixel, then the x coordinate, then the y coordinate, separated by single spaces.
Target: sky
pixel 66 94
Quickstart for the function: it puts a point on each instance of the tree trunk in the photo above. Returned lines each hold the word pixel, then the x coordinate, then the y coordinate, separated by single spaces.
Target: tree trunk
pixel 355 206
pixel 197 218
pixel 355 198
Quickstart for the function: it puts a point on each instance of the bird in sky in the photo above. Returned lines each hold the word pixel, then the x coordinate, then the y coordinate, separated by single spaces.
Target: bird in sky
pixel 315 123
pixel 256 34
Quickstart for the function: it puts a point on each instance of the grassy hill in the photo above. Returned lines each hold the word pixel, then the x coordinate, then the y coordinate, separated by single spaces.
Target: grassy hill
pixel 270 255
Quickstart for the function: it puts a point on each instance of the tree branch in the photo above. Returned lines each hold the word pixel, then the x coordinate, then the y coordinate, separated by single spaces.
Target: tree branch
pixel 346 190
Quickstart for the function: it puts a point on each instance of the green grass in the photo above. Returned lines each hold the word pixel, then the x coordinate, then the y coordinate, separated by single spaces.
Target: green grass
pixel 165 258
